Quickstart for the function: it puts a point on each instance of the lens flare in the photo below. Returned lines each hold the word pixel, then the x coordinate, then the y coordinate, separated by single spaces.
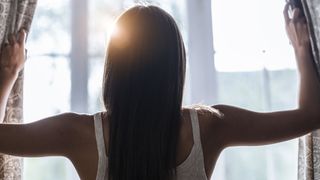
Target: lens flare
pixel 119 37
pixel 115 31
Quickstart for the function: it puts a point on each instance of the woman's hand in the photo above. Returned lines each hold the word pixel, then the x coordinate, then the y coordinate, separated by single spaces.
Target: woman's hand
pixel 12 56
pixel 297 29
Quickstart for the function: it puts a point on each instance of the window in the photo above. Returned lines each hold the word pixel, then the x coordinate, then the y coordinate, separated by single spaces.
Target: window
pixel 254 68
pixel 47 79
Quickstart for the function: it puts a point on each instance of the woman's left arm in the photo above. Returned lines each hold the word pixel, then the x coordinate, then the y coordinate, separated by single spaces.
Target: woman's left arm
pixel 244 127
pixel 12 59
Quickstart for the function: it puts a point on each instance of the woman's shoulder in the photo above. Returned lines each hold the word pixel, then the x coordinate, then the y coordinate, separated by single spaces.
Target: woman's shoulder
pixel 209 117
pixel 76 119
pixel 79 125
pixel 82 119
pixel 210 122
pixel 204 112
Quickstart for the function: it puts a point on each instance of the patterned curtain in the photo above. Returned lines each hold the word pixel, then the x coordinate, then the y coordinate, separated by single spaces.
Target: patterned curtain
pixel 309 146
pixel 14 15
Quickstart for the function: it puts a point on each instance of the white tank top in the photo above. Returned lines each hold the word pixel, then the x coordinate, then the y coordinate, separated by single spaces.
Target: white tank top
pixel 191 169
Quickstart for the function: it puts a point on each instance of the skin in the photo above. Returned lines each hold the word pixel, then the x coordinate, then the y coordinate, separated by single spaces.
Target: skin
pixel 72 135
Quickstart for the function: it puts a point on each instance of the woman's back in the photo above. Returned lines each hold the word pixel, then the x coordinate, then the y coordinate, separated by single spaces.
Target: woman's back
pixel 191 162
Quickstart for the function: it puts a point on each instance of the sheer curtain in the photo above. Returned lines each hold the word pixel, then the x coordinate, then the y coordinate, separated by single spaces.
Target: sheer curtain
pixel 309 146
pixel 14 14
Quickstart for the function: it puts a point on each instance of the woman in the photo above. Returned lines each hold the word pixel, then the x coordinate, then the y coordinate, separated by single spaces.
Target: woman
pixel 145 132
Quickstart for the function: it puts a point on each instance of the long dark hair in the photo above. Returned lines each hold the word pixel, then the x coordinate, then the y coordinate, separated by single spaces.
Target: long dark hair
pixel 142 92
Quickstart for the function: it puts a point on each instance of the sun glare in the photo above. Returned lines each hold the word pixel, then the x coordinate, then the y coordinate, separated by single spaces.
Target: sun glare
pixel 119 36
pixel 114 30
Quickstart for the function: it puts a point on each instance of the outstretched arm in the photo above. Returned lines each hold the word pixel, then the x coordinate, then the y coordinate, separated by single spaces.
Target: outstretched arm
pixel 243 127
pixel 54 136
pixel 58 135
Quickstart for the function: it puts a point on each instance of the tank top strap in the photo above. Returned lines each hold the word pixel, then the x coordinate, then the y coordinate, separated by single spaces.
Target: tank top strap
pixel 195 129
pixel 102 162
pixel 193 167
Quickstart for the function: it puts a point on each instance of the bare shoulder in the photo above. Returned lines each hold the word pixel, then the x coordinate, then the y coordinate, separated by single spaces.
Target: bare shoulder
pixel 211 125
pixel 207 115
pixel 82 125
pixel 211 132
pixel 74 122
pixel 77 129
pixel 82 141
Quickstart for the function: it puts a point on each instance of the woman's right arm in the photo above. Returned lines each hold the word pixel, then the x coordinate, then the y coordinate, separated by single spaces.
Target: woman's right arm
pixel 53 136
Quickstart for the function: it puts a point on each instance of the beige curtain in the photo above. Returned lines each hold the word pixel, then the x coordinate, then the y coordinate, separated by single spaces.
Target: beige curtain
pixel 14 14
pixel 309 146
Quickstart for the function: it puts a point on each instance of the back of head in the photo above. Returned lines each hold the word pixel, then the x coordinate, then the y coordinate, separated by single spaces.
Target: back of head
pixel 143 90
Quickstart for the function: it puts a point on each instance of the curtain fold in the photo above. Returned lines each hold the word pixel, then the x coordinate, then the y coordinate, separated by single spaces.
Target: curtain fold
pixel 309 146
pixel 14 15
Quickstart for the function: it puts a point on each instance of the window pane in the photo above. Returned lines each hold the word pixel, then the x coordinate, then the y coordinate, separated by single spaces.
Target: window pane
pixel 95 84
pixel 248 89
pixel 50 30
pixel 250 35
pixel 47 87
pixel 277 161
pixel 47 79
pixel 249 41
pixel 260 91
pixel 284 89
pixel 45 169
pixel 243 89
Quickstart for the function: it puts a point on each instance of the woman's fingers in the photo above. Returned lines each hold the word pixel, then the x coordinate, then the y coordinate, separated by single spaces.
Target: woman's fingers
pixel 286 13
pixel 21 36
pixel 12 39
pixel 296 14
pixel 13 55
